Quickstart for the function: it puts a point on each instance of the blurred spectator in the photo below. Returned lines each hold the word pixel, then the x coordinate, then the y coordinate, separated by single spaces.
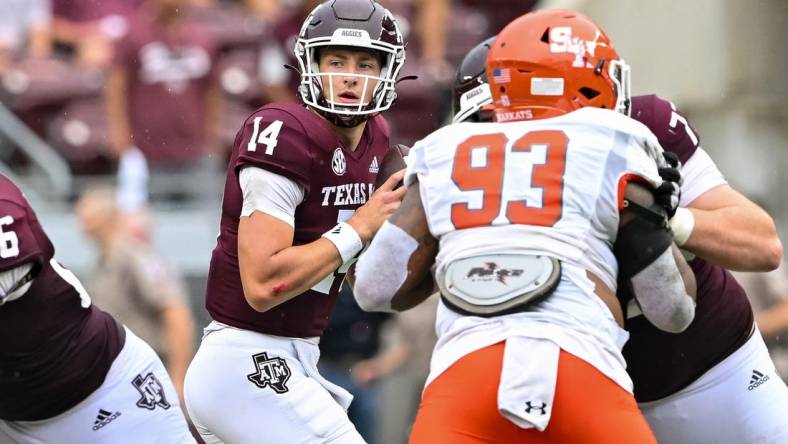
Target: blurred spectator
pixel 24 30
pixel 412 339
pixel 768 294
pixel 349 345
pixel 163 100
pixel 88 27
pixel 135 285
pixel 281 84
pixel 268 10
pixel 498 13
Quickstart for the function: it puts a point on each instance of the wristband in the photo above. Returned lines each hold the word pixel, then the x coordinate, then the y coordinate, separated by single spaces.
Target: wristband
pixel 345 238
pixel 682 223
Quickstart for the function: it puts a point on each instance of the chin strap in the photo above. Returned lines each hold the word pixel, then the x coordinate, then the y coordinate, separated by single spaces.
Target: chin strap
pixel 402 79
pixel 292 68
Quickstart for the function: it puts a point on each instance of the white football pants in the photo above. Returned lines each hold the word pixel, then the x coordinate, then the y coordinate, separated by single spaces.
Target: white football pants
pixel 244 387
pixel 741 400
pixel 136 403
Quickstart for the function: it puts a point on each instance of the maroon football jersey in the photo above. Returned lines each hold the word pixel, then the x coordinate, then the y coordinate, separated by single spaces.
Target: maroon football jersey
pixel 55 347
pixel 662 363
pixel 290 140
pixel 89 10
pixel 169 72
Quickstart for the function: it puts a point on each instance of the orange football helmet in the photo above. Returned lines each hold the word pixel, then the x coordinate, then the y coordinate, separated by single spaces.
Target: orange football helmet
pixel 550 62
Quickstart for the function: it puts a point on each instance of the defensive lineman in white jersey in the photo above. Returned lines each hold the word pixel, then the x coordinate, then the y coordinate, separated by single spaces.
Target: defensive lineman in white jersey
pixel 523 222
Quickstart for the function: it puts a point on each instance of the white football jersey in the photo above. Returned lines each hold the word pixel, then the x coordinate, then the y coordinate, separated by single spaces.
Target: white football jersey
pixel 550 187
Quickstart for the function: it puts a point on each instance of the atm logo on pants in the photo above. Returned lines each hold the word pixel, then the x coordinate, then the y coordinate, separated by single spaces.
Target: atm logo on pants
pixel 272 372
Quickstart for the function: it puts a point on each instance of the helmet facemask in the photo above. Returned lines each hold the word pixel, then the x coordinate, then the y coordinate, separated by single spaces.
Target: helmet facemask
pixel 472 103
pixel 619 73
pixel 317 87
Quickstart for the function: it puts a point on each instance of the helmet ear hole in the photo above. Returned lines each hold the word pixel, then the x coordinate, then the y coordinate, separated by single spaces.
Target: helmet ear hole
pixel 546 36
pixel 588 93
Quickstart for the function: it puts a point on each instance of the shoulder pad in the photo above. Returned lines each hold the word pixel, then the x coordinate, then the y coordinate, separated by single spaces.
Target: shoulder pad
pixel 18 241
pixel 671 127
pixel 275 139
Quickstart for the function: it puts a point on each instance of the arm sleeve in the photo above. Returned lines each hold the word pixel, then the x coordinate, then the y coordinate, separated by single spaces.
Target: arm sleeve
pixel 269 193
pixel 700 174
pixel 659 290
pixel 274 140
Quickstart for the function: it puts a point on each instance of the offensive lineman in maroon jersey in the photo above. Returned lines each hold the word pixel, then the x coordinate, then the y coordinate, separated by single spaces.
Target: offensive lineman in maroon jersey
pixel 68 371
pixel 298 206
pixel 714 382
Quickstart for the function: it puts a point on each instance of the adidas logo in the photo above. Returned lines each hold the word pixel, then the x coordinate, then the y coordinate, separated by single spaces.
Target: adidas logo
pixel 757 379
pixel 374 167
pixel 103 418
pixel 337 229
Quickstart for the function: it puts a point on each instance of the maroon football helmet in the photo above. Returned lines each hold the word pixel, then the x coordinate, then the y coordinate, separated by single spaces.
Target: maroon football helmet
pixel 471 89
pixel 362 24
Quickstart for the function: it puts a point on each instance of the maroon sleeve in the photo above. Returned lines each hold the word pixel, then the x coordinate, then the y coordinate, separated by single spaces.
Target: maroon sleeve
pixel 667 124
pixel 281 145
pixel 18 243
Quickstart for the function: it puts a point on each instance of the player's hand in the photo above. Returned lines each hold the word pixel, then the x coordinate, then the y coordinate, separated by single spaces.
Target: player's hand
pixel 380 206
pixel 364 372
pixel 668 194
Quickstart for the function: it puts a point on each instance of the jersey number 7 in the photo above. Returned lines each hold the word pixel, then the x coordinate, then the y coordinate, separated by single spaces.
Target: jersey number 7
pixel 471 173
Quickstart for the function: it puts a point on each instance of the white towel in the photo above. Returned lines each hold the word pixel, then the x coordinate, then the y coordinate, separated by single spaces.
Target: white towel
pixel 308 354
pixel 528 379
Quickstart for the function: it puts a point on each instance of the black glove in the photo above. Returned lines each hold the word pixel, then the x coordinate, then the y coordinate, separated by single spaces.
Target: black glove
pixel 668 194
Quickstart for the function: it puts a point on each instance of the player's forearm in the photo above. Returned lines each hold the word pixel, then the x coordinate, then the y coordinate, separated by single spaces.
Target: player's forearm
pixel 118 122
pixel 40 42
pixel 736 237
pixel 179 331
pixel 213 118
pixel 773 320
pixel 407 298
pixel 289 273
pixel 432 20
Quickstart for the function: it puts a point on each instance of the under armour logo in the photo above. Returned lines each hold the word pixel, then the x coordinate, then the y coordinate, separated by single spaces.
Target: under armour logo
pixel 542 408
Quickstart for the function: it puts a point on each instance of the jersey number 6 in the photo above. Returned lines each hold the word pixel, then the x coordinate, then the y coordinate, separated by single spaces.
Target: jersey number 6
pixel 471 173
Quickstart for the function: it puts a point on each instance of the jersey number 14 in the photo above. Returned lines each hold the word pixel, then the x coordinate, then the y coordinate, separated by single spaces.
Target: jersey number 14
pixel 471 174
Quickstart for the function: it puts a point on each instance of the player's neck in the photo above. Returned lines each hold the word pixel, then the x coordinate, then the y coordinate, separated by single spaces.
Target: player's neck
pixel 350 137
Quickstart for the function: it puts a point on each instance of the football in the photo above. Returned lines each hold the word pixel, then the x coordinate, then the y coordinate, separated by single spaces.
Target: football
pixel 393 161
